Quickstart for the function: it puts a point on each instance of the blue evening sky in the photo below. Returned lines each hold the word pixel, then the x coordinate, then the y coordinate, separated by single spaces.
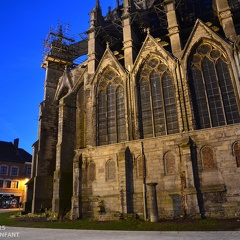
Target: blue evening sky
pixel 24 26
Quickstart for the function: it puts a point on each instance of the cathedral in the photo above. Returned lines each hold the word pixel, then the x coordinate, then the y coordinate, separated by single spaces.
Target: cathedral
pixel 148 124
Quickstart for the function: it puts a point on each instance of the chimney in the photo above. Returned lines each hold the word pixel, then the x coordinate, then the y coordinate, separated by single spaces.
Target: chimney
pixel 16 142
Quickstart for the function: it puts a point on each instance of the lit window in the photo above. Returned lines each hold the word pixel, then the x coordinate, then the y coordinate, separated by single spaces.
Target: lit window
pixel 14 184
pixel 212 92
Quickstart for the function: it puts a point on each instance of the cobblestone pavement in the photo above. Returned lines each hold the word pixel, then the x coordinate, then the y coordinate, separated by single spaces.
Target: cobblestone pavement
pixel 63 234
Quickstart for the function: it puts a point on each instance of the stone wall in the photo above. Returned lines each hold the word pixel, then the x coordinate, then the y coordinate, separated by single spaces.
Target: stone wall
pixel 188 190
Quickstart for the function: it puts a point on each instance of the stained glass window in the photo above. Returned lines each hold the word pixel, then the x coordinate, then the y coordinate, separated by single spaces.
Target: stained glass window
pixel 120 113
pixel 213 98
pixel 158 111
pixel 111 110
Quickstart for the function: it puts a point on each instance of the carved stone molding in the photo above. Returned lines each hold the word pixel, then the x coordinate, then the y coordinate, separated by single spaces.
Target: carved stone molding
pixel 127 43
pixel 173 30
pixel 225 14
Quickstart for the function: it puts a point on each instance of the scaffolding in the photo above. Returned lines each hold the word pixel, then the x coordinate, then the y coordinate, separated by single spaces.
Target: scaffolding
pixel 144 15
pixel 60 47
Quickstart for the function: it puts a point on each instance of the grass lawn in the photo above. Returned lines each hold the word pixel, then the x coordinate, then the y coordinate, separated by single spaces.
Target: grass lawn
pixel 8 219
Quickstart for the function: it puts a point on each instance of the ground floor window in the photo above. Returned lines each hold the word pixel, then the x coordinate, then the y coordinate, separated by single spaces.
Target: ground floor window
pixel 9 201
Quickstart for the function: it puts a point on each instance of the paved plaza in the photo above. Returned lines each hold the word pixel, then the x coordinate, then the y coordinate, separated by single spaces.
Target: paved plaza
pixel 63 234
pixel 67 234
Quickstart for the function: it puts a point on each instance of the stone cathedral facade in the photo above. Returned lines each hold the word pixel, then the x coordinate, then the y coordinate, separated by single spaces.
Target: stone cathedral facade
pixel 149 123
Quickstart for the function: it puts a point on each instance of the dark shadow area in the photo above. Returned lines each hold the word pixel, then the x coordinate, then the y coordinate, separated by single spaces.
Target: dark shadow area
pixel 177 206
pixel 197 179
pixel 129 180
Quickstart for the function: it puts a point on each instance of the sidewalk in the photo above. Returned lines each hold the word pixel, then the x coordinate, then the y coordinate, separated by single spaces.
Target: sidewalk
pixel 62 234
pixel 10 209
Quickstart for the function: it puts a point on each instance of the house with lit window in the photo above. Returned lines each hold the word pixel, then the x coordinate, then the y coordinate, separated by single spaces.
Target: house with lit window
pixel 149 122
pixel 15 171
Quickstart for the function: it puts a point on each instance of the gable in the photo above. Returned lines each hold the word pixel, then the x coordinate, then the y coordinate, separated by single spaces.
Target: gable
pixel 149 49
pixel 201 32
pixel 108 61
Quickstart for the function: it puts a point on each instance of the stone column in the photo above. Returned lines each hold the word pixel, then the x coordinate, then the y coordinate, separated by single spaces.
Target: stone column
pixel 225 18
pixel 190 199
pixel 173 28
pixel 76 211
pixel 153 202
pixel 62 181
pixel 130 40
pixel 95 49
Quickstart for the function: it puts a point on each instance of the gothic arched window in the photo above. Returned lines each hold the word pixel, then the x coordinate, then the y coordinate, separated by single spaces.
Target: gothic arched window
pixel 110 170
pixel 140 166
pixel 111 110
pixel 91 172
pixel 213 98
pixel 236 152
pixel 207 155
pixel 158 103
pixel 170 163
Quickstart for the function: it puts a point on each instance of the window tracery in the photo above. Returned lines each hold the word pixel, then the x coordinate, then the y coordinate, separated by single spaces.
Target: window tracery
pixel 213 98
pixel 111 109
pixel 158 103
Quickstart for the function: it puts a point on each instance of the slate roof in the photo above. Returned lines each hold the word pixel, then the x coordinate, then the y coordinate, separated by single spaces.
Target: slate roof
pixel 9 153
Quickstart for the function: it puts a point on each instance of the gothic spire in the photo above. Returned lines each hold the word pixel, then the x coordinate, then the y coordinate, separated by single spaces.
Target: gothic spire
pixel 125 6
pixel 97 4
pixel 128 6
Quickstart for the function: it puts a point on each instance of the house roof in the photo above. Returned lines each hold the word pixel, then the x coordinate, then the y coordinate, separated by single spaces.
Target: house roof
pixel 8 152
